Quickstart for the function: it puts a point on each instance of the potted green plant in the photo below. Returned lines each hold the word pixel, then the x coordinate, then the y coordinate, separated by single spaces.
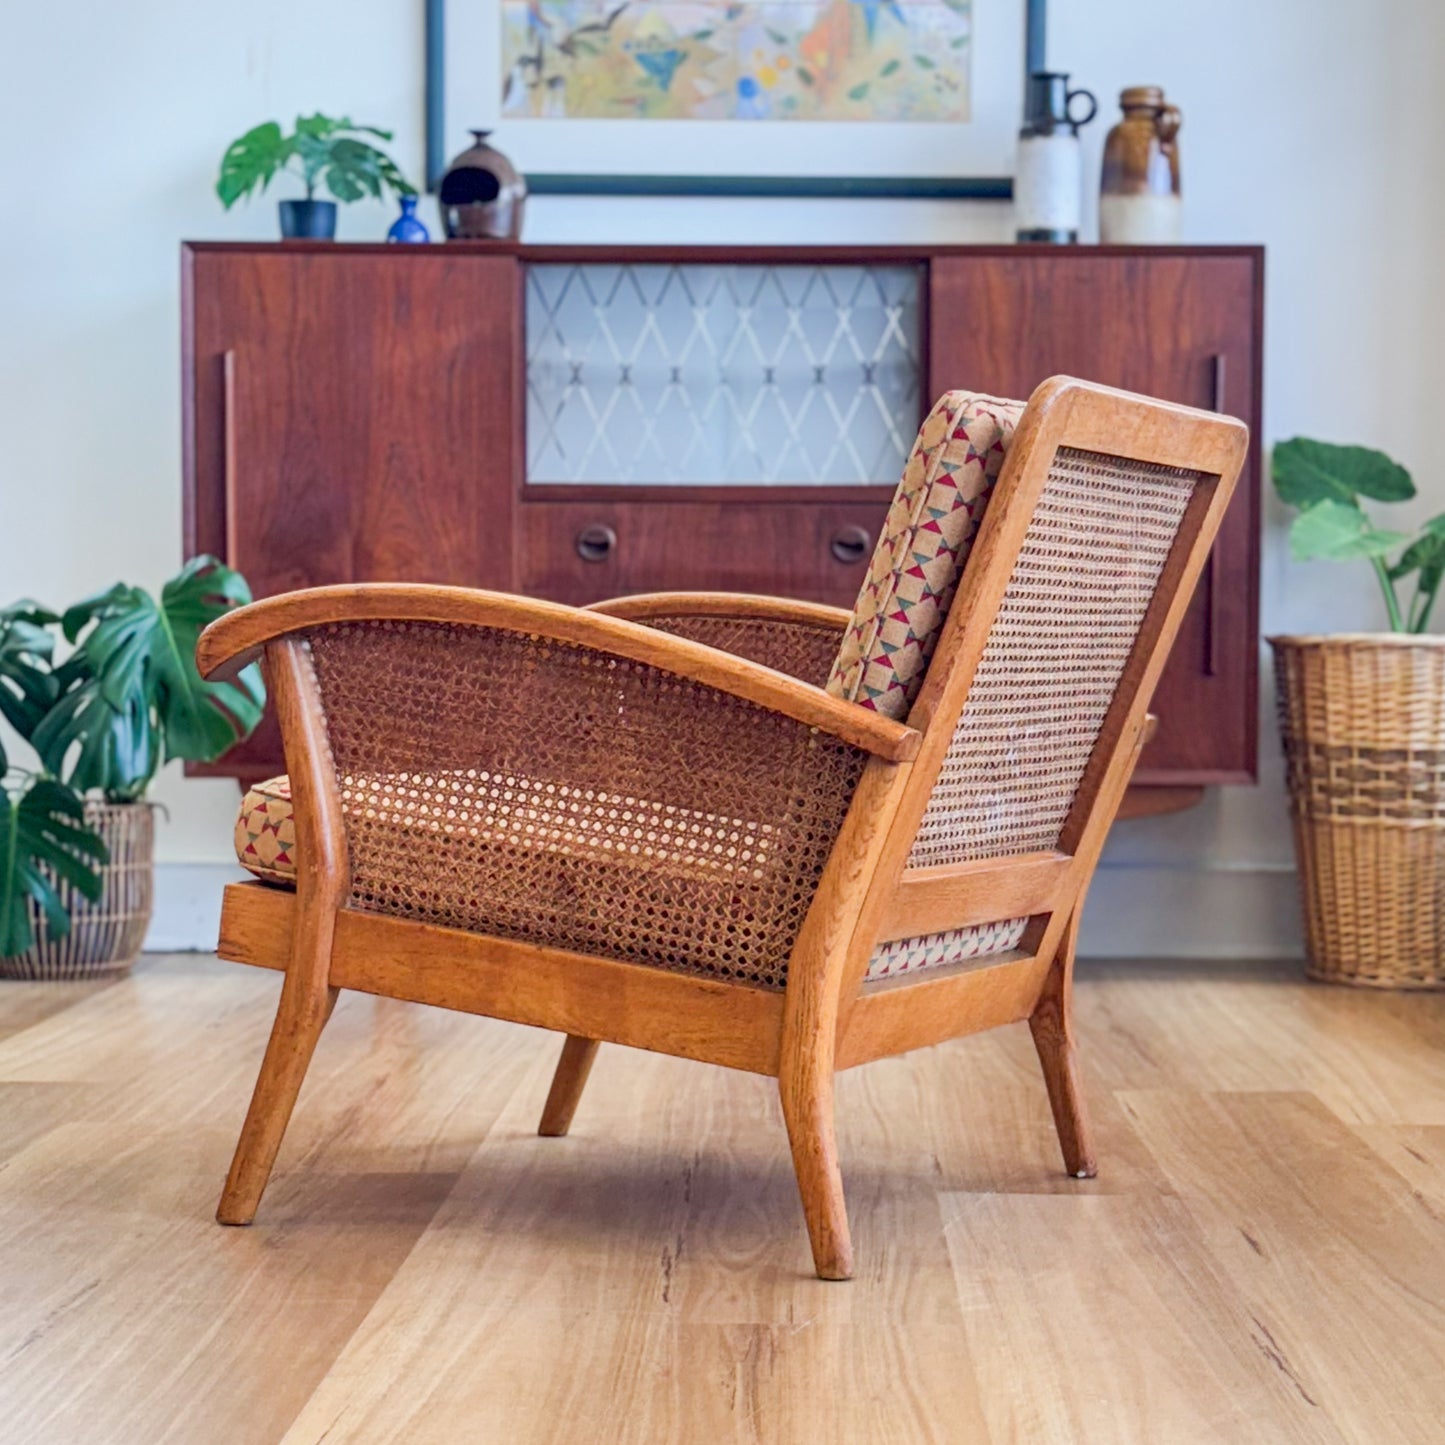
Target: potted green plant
pixel 76 834
pixel 320 151
pixel 1363 721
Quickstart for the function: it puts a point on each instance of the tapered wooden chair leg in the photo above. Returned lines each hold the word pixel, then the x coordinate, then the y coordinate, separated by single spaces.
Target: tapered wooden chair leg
pixel 302 1014
pixel 808 1111
pixel 568 1082
pixel 1052 1025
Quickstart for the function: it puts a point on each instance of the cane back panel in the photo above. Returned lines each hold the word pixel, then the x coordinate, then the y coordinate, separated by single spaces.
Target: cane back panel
pixel 1086 573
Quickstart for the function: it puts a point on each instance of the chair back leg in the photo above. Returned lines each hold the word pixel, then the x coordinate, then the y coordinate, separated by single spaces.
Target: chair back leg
pixel 1052 1025
pixel 568 1082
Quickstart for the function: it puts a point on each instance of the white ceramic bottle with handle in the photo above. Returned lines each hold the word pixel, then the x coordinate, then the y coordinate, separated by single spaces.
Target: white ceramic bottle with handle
pixel 1049 177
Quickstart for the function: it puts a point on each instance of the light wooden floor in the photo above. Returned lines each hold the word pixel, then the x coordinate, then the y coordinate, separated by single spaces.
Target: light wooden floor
pixel 1261 1259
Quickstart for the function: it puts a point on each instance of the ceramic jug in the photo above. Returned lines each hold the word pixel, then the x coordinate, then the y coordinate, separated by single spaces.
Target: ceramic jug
pixel 1139 200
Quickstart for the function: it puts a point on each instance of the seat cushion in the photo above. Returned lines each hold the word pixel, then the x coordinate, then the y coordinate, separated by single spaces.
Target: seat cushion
pixel 266 847
pixel 266 832
pixel 920 556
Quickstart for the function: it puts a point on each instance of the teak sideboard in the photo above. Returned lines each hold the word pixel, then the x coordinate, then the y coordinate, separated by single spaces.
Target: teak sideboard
pixel 580 422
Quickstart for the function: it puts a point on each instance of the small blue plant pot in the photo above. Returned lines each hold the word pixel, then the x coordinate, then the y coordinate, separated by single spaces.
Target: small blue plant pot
pixel 308 220
pixel 407 228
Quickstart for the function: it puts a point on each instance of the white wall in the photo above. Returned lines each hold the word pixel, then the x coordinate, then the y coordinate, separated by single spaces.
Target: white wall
pixel 1307 128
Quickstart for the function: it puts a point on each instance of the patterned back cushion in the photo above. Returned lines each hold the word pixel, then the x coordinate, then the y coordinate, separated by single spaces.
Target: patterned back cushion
pixel 919 559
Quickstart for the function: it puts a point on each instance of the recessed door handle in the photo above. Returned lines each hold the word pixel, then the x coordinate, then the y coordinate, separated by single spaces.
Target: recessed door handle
pixel 850 544
pixel 596 543
pixel 1217 401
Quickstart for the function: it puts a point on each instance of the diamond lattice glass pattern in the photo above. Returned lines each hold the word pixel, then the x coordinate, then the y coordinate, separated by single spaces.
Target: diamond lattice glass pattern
pixel 697 374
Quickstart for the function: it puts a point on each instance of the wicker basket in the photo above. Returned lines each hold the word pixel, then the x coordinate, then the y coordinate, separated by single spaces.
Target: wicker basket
pixel 1363 721
pixel 106 936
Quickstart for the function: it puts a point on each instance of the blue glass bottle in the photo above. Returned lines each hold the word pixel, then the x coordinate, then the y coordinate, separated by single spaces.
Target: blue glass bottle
pixel 407 228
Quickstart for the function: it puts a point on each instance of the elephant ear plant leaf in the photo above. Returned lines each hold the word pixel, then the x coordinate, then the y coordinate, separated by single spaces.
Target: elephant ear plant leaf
pixel 126 700
pixel 1326 482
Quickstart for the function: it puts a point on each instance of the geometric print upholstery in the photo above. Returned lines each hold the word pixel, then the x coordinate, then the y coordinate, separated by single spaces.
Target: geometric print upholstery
pixel 957 945
pixel 926 539
pixel 904 601
pixel 266 832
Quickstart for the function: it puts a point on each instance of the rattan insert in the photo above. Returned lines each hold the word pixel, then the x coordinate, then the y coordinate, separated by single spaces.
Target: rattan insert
pixel 801 649
pixel 1088 568
pixel 534 790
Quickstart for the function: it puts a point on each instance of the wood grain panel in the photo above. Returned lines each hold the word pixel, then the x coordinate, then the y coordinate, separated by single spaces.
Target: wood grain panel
pixel 1184 327
pixel 350 420
pixel 701 1018
pixel 783 549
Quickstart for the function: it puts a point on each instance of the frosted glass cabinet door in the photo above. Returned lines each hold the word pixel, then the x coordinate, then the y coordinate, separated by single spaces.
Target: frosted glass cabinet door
pixel 703 375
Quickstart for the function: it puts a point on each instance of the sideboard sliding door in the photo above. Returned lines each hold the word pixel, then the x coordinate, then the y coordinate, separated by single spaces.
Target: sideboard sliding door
pixel 349 419
pixel 1180 327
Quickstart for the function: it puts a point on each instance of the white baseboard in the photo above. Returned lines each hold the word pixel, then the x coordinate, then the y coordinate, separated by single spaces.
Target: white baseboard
pixel 1178 911
pixel 188 906
pixel 1192 911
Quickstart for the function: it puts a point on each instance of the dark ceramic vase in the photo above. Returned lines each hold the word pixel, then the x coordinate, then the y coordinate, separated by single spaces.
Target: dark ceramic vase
pixel 308 220
pixel 482 195
pixel 407 228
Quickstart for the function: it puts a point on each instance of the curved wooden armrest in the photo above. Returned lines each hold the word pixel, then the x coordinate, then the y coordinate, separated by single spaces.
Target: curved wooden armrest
pixel 642 606
pixel 236 639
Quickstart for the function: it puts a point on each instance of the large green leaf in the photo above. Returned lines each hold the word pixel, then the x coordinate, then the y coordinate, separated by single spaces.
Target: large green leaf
pixel 1339 530
pixel 250 163
pixel 1426 555
pixel 43 837
pixel 27 687
pixel 132 696
pixel 1307 472
pixel 355 169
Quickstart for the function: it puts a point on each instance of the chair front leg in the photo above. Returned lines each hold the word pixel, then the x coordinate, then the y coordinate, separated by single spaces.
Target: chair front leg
pixel 805 1085
pixel 1052 1025
pixel 306 1004
pixel 307 997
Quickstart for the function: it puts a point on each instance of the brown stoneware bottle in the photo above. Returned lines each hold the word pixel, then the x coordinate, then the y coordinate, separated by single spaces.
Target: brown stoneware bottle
pixel 1139 202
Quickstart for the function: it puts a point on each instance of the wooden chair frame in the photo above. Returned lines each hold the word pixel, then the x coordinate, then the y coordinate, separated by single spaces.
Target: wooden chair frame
pixel 826 1018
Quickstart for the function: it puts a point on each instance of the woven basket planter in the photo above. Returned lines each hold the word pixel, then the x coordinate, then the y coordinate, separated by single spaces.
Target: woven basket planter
pixel 105 936
pixel 1363 721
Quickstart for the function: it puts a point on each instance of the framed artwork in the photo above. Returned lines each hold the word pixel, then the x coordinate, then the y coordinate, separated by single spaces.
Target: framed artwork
pixel 862 98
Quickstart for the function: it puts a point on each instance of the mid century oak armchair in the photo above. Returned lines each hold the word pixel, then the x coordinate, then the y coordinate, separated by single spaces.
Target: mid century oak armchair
pixel 765 834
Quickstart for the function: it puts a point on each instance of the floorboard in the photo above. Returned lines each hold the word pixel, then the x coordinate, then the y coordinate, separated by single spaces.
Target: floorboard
pixel 1262 1257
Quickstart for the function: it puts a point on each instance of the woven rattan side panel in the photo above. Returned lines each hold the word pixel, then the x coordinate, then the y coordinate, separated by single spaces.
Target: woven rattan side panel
pixel 800 649
pixel 1087 570
pixel 522 787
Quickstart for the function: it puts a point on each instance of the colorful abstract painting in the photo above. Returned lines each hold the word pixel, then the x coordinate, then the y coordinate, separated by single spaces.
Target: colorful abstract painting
pixel 819 60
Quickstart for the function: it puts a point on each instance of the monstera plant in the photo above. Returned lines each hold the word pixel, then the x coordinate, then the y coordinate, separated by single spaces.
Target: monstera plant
pixel 101 721
pixel 322 151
